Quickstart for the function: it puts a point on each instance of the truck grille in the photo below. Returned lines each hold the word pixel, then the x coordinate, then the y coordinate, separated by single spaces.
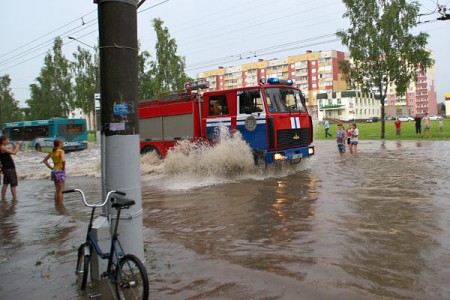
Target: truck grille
pixel 287 138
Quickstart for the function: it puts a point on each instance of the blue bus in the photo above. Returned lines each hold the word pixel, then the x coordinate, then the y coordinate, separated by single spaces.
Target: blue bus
pixel 40 134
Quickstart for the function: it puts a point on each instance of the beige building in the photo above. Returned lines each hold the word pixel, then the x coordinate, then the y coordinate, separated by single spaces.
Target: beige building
pixel 317 73
pixel 312 72
pixel 348 106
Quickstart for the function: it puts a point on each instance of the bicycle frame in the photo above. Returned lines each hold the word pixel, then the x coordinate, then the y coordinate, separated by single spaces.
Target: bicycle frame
pixel 92 242
pixel 125 270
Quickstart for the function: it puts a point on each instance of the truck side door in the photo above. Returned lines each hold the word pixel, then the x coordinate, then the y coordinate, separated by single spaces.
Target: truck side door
pixel 251 118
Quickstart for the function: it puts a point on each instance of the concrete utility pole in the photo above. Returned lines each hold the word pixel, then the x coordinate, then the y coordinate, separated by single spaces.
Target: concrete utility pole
pixel 117 21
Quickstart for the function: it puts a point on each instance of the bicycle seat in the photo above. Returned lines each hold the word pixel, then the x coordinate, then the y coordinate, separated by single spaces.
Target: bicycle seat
pixel 121 202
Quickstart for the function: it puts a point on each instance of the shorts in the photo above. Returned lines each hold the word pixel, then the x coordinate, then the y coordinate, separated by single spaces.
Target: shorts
pixel 58 175
pixel 354 142
pixel 10 177
pixel 349 141
pixel 341 148
pixel 427 126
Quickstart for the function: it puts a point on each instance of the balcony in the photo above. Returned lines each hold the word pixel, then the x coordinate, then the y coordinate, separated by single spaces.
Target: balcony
pixel 332 107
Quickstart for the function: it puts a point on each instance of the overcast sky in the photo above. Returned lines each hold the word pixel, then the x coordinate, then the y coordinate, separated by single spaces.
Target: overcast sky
pixel 208 33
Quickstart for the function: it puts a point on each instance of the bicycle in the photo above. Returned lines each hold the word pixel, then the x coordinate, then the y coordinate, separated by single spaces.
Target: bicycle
pixel 125 271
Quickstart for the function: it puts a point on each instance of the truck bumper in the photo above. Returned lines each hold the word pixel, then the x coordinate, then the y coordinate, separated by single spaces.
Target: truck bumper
pixel 293 155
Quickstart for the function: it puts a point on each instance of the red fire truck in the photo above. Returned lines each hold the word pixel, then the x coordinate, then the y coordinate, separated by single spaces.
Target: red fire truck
pixel 271 117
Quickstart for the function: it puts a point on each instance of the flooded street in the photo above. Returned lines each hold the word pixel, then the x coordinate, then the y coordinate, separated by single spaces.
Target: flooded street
pixel 375 226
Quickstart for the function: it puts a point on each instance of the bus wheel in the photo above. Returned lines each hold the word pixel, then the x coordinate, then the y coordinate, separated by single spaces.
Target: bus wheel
pixel 38 148
pixel 148 149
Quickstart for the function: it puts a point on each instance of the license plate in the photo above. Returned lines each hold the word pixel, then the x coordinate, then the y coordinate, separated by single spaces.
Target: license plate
pixel 297 156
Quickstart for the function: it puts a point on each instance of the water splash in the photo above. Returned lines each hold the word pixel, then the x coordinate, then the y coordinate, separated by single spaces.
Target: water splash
pixel 188 165
pixel 229 157
pixel 194 164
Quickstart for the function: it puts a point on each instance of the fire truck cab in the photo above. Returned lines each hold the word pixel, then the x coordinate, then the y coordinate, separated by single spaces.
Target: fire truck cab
pixel 271 117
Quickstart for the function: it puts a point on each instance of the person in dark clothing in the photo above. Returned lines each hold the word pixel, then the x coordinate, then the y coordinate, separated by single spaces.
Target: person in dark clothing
pixel 418 121
pixel 8 166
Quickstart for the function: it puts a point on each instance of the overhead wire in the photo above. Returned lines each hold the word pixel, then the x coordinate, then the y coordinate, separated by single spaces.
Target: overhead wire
pixel 49 42
pixel 255 53
pixel 47 34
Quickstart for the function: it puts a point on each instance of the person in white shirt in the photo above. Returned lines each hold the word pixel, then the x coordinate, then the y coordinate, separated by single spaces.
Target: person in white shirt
pixel 354 140
pixel 327 128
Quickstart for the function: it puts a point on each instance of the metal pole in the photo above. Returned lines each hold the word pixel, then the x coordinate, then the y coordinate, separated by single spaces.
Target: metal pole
pixel 119 119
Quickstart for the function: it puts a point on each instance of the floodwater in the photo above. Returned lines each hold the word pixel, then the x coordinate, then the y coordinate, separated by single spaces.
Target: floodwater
pixel 375 226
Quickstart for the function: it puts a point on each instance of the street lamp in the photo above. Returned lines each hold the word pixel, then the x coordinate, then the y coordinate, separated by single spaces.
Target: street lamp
pixel 97 82
pixel 75 39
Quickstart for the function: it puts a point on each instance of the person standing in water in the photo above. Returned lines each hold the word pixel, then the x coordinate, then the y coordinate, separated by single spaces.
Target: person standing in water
pixel 58 173
pixel 8 166
pixel 354 140
pixel 340 140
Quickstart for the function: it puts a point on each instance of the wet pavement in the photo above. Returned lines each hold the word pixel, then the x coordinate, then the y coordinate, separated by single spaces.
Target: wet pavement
pixel 375 226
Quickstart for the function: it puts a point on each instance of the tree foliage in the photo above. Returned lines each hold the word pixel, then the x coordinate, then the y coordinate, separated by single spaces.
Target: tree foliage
pixel 146 87
pixel 9 107
pixel 52 95
pixel 84 71
pixel 166 73
pixel 382 47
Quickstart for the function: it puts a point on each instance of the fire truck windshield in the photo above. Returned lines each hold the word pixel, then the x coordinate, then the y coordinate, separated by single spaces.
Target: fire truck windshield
pixel 284 100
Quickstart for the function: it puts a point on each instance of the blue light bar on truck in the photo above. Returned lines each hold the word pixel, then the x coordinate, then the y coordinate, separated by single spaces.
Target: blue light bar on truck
pixel 280 81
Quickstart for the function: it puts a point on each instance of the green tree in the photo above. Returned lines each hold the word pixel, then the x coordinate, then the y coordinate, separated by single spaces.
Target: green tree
pixel 166 73
pixel 52 95
pixel 9 107
pixel 382 47
pixel 84 71
pixel 146 87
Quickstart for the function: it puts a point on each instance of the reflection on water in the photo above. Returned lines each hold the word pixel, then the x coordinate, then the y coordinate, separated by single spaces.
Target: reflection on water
pixel 374 226
pixel 8 228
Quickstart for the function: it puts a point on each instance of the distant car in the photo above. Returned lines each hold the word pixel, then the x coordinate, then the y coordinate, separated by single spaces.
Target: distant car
pixel 405 118
pixel 372 120
pixel 434 118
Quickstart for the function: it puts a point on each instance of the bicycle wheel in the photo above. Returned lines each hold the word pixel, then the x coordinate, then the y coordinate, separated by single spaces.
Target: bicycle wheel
pixel 131 279
pixel 82 268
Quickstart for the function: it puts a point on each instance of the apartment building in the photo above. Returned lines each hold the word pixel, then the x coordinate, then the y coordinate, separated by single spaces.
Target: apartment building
pixel 420 97
pixel 317 73
pixel 312 72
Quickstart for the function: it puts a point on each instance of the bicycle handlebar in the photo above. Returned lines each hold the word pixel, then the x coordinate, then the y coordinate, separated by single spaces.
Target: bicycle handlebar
pixel 94 205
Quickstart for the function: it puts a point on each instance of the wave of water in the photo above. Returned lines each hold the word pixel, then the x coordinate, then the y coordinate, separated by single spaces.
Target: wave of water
pixel 187 165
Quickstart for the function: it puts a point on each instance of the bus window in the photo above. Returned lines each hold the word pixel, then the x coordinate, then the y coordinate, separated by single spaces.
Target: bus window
pixel 75 128
pixel 12 133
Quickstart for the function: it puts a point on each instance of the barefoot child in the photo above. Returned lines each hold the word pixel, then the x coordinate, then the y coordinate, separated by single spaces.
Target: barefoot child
pixel 58 174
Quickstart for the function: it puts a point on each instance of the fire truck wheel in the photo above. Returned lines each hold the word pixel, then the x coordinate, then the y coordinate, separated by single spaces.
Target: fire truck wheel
pixel 258 158
pixel 148 149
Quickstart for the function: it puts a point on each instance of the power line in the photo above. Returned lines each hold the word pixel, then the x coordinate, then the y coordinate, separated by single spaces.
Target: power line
pixel 47 43
pixel 47 34
pixel 40 46
pixel 245 55
pixel 262 52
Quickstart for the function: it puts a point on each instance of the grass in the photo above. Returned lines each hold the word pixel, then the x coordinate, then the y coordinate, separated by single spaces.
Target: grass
pixel 372 131
pixel 91 137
